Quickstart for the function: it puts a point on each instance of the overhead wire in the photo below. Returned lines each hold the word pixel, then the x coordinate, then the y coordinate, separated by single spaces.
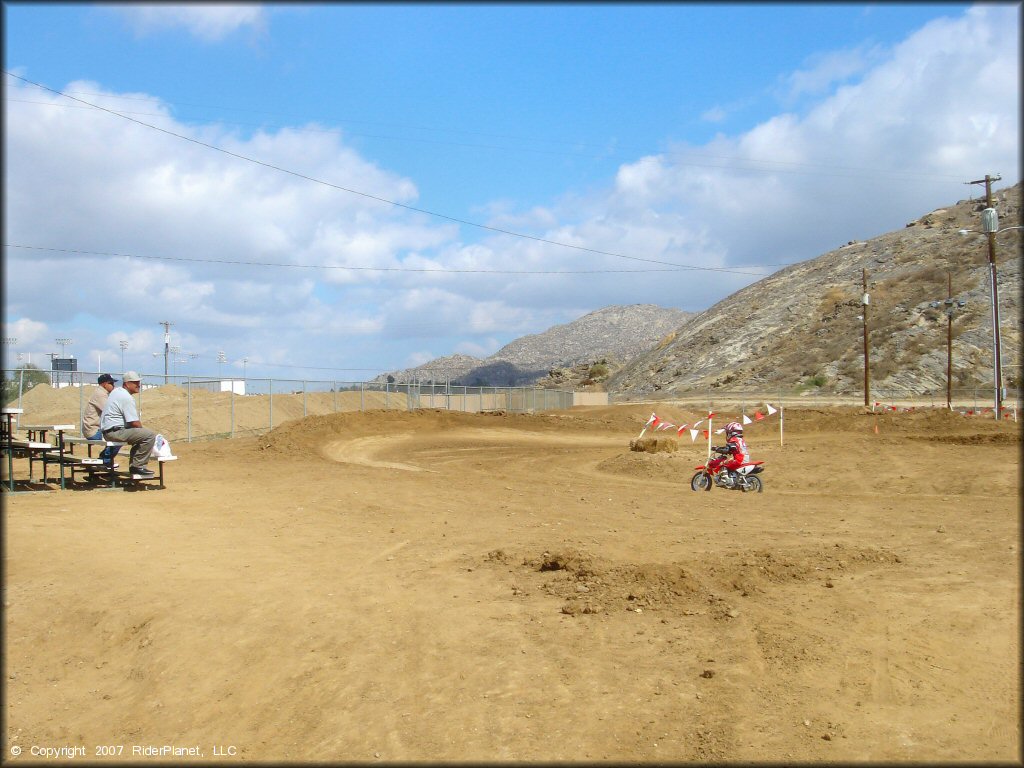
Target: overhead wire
pixel 678 157
pixel 367 195
pixel 441 270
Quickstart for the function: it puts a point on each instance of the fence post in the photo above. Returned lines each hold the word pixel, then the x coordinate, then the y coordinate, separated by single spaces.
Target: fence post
pixel 188 413
pixel 362 404
pixel 232 408
pixel 334 389
pixel 21 389
pixel 304 413
pixel 270 388
pixel 81 402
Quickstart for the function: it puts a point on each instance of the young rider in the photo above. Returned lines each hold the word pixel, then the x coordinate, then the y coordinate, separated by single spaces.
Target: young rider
pixel 736 446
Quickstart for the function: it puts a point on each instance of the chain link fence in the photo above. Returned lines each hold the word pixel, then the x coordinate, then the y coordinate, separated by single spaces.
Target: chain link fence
pixel 976 400
pixel 204 407
pixel 193 408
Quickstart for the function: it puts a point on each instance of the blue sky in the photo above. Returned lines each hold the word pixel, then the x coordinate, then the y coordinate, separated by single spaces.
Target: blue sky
pixel 698 140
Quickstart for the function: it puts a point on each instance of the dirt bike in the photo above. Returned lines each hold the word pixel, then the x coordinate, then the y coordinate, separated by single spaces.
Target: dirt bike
pixel 744 478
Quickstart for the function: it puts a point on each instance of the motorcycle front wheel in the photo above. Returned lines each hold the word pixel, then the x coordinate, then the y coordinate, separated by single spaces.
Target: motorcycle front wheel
pixel 754 484
pixel 701 482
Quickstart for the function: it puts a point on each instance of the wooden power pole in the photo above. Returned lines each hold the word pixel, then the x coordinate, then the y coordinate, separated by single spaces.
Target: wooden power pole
pixel 865 299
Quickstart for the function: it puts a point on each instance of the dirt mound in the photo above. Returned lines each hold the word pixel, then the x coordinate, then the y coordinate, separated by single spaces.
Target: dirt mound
pixel 589 584
pixel 649 465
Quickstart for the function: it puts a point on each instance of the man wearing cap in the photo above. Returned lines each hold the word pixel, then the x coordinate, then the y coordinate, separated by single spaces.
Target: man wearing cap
pixel 120 421
pixel 91 418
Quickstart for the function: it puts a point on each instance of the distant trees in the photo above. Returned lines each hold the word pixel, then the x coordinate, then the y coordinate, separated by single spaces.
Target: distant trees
pixel 30 374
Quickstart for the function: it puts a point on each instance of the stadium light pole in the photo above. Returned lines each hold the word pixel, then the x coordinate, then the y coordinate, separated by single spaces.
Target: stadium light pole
pixel 63 343
pixel 167 344
pixel 221 359
pixel 123 343
pixel 10 341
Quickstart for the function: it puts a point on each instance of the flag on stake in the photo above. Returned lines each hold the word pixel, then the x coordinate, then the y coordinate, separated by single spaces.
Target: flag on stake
pixel 711 415
pixel 770 409
pixel 693 435
pixel 652 420
pixel 679 431
pixel 706 434
pixel 747 419
pixel 758 416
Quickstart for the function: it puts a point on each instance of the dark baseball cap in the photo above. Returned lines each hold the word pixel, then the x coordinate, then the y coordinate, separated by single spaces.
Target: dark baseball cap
pixel 105 378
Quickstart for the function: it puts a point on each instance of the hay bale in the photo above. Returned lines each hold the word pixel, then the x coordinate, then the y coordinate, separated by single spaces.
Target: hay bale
pixel 654 445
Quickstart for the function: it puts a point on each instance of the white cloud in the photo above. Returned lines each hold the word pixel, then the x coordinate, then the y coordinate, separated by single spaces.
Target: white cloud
pixel 714 115
pixel 209 22
pixel 826 70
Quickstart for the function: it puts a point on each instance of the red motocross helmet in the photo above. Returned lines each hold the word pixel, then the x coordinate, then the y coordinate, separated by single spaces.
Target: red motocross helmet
pixel 734 429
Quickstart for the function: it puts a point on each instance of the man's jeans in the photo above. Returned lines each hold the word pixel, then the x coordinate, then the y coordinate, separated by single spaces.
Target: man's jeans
pixel 141 440
pixel 108 453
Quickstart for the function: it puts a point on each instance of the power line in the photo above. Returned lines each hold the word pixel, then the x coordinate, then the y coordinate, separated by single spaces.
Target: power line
pixel 443 270
pixel 345 189
pixel 731 162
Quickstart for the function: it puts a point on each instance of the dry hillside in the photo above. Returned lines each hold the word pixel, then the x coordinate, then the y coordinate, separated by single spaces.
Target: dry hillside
pixel 802 326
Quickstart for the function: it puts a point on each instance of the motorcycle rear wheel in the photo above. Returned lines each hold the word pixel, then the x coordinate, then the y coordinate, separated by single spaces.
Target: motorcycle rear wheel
pixel 754 484
pixel 701 482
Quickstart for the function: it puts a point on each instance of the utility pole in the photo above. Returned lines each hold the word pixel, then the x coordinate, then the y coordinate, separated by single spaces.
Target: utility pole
pixel 865 300
pixel 949 341
pixel 167 344
pixel 952 305
pixel 990 231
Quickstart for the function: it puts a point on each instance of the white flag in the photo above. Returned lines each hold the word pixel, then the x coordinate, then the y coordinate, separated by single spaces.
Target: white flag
pixel 747 419
pixel 770 409
pixel 693 435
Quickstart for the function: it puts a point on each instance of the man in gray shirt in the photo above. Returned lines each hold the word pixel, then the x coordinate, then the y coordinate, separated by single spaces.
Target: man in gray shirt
pixel 91 417
pixel 120 421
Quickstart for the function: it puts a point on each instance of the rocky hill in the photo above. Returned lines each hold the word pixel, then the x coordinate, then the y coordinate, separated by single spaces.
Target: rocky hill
pixel 801 327
pixel 564 355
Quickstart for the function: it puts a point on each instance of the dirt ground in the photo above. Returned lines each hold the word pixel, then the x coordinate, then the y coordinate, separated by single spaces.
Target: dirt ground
pixel 427 586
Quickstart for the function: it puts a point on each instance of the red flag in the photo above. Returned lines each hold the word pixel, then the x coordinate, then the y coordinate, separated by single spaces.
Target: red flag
pixel 758 416
pixel 706 433
pixel 710 415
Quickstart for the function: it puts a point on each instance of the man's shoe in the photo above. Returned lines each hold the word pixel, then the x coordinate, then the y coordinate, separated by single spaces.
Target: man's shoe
pixel 143 474
pixel 108 465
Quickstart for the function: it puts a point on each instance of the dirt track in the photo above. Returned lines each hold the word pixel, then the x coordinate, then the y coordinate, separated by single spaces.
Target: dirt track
pixel 395 586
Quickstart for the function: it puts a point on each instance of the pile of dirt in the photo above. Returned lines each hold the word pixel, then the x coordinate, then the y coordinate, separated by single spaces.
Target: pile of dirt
pixel 589 584
pixel 650 465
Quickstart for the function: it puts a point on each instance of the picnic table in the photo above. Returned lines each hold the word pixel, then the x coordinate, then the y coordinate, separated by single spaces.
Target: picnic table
pixel 37 435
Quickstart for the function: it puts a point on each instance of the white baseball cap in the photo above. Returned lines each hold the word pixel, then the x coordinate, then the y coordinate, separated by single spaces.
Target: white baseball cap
pixel 131 376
